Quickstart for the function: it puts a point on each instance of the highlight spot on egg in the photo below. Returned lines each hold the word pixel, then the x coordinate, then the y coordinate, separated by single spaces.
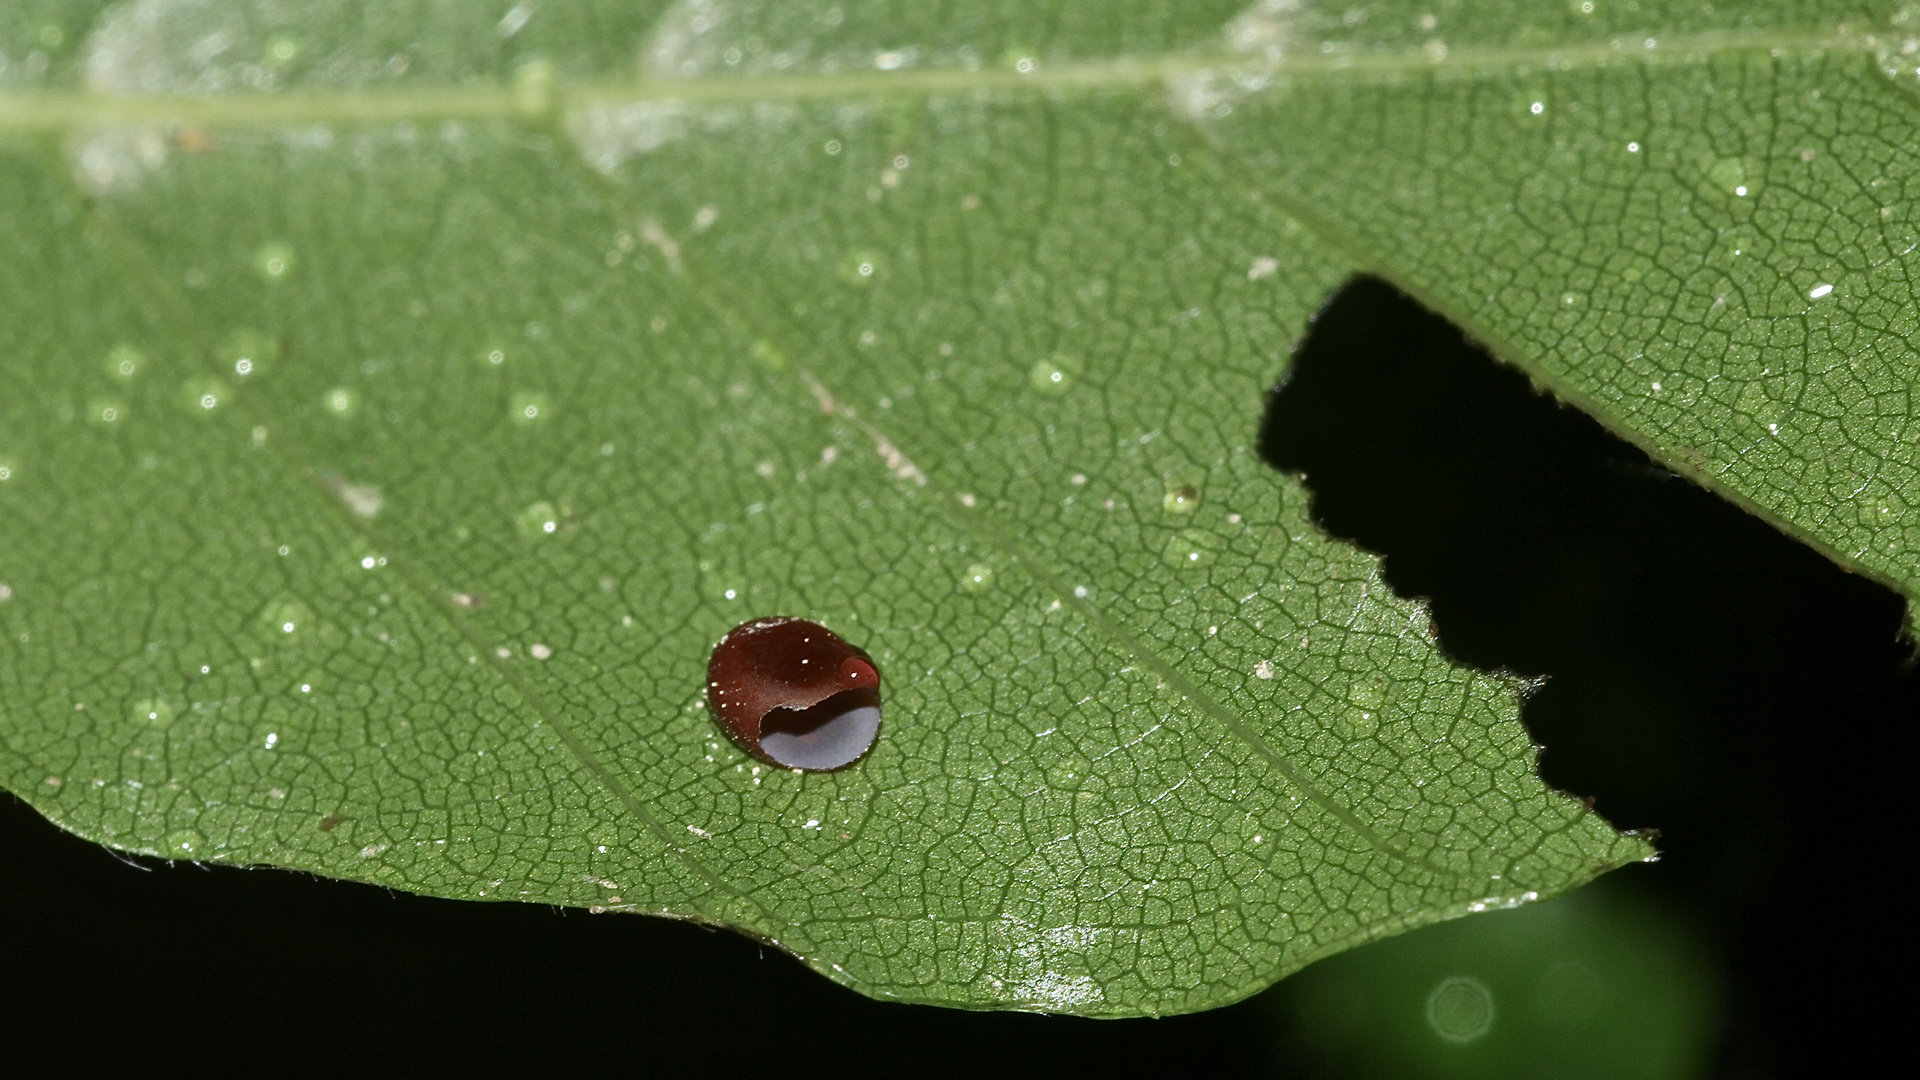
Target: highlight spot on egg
pixel 794 694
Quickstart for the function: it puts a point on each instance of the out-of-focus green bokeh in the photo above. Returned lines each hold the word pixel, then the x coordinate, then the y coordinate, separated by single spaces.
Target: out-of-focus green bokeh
pixel 1600 984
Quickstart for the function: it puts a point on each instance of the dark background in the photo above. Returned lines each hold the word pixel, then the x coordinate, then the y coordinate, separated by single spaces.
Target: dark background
pixel 1707 677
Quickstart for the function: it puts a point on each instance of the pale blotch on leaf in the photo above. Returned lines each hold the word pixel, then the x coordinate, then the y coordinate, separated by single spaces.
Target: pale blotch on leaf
pixel 769 357
pixel 364 500
pixel 1460 1009
pixel 533 89
pixel 1054 374
pixel 538 521
pixel 273 261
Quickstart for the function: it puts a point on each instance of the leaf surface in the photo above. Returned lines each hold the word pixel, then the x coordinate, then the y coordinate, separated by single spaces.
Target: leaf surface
pixel 403 402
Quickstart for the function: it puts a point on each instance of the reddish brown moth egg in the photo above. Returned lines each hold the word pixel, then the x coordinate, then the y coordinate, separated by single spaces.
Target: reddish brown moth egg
pixel 794 694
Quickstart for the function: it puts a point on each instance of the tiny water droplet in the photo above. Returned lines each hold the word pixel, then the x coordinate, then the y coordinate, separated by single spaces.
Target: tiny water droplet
pixel 527 408
pixel 125 361
pixel 538 521
pixel 794 694
pixel 340 401
pixel 203 396
pixel 247 353
pixel 1070 774
pixel 287 619
pixel 1054 374
pixel 977 578
pixel 860 267
pixel 1181 499
pixel 273 261
pixel 1735 175
pixel 184 844
pixel 154 712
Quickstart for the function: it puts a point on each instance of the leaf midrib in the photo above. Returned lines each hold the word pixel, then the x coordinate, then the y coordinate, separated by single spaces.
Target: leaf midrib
pixel 71 109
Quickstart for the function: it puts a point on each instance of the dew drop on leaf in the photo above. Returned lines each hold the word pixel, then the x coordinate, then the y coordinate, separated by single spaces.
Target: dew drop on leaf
pixel 125 361
pixel 977 578
pixel 537 521
pixel 794 694
pixel 1054 374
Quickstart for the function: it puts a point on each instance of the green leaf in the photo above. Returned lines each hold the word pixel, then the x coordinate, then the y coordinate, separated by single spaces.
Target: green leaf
pixel 402 402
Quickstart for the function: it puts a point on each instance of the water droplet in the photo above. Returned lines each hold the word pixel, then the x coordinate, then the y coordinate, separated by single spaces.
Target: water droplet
pixel 1190 548
pixel 794 694
pixel 860 267
pixel 184 844
pixel 529 408
pixel 1071 774
pixel 288 620
pixel 203 396
pixel 273 261
pixel 1054 374
pixel 154 712
pixel 538 521
pixel 107 411
pixel 247 353
pixel 1460 1009
pixel 1181 499
pixel 1735 175
pixel 340 401
pixel 125 361
pixel 977 578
